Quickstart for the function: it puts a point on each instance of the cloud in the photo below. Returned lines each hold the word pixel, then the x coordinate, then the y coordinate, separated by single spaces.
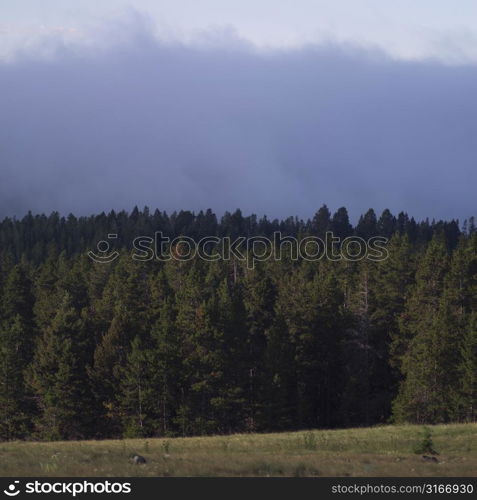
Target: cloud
pixel 139 120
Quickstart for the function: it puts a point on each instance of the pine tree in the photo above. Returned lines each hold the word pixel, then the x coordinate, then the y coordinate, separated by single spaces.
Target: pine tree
pixel 59 378
pixel 427 392
pixel 321 222
pixel 427 325
pixel 138 397
pixel 367 226
pixel 392 279
pixel 259 303
pixel 340 224
pixel 360 349
pixel 15 407
pixel 193 330
pixel 168 366
pixel 17 333
pixel 279 385
pixel 124 310
pixel 467 392
pixel 233 369
pixel 310 306
pixel 386 225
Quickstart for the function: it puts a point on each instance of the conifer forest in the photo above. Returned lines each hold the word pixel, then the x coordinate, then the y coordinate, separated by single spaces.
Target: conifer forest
pixel 170 348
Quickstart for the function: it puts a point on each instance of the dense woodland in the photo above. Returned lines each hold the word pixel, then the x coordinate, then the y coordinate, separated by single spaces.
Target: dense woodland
pixel 176 348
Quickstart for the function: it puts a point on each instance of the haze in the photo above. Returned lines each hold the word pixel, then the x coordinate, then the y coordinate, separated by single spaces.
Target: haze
pixel 190 108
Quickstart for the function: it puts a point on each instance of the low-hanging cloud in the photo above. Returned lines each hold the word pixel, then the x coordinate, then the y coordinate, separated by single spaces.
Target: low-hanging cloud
pixel 219 124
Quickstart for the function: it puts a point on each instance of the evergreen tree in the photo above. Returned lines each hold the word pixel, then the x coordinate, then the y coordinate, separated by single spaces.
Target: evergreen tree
pixel 59 379
pixel 259 303
pixel 168 365
pixel 17 333
pixel 138 396
pixel 321 222
pixel 428 331
pixel 386 224
pixel 467 391
pixel 340 224
pixel 15 407
pixel 367 225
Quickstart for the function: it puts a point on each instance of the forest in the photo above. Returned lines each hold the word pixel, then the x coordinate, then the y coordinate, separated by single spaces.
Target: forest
pixel 181 348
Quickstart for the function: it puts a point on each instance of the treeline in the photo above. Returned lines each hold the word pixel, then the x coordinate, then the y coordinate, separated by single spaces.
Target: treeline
pixel 35 236
pixel 175 348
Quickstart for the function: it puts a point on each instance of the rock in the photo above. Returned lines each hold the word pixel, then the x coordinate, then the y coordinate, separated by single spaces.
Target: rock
pixel 138 459
pixel 427 458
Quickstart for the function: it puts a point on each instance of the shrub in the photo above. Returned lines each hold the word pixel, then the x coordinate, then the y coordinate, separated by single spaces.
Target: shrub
pixel 426 444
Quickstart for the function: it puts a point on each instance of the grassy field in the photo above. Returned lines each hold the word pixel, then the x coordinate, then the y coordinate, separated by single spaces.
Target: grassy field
pixel 376 451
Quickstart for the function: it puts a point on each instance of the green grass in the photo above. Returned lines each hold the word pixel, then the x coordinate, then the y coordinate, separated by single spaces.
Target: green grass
pixel 374 451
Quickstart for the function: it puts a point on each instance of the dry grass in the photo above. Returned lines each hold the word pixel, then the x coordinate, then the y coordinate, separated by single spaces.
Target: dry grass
pixel 376 451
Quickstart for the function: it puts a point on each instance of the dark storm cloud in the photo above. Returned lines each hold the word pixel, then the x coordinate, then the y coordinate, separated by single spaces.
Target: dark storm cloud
pixel 224 126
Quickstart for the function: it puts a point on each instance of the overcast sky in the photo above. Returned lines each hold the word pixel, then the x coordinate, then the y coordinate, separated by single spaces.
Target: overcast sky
pixel 272 106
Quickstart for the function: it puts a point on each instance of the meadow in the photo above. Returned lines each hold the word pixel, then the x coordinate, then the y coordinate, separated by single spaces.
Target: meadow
pixel 374 451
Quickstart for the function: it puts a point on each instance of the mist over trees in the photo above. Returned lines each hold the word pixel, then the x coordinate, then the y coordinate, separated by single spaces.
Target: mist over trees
pixel 176 348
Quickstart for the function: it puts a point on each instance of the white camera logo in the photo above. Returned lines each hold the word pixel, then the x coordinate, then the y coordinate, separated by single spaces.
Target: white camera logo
pixel 12 490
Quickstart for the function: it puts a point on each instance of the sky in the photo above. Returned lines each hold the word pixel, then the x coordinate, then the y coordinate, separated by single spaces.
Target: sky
pixel 273 107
